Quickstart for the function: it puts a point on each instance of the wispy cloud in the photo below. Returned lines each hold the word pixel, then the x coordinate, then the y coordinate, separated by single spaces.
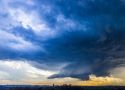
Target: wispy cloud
pixel 16 42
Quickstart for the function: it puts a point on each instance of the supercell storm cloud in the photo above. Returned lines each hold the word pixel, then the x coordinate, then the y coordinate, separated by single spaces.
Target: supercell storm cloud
pixel 74 38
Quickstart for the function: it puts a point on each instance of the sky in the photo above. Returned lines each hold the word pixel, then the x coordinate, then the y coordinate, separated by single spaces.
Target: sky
pixel 79 42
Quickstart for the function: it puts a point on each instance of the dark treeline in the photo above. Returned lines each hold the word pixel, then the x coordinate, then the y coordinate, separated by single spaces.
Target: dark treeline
pixel 62 88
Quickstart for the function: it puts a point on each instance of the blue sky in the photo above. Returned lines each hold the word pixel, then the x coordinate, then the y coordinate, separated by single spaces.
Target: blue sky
pixel 49 40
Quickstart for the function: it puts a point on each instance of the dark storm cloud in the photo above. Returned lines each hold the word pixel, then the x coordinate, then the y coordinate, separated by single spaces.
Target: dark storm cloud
pixel 90 37
pixel 89 54
pixel 97 49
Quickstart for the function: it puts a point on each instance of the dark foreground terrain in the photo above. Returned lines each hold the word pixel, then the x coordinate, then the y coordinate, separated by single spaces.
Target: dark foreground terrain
pixel 23 87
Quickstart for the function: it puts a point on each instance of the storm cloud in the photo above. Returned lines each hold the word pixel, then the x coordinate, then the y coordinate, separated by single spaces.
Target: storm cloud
pixel 83 37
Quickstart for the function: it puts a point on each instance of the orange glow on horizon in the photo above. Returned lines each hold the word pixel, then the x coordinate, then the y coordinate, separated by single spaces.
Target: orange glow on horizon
pixel 93 81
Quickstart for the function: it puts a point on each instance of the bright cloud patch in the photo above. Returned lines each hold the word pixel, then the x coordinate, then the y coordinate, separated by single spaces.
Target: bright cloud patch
pixel 119 72
pixel 20 16
pixel 29 21
pixel 21 71
pixel 101 81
